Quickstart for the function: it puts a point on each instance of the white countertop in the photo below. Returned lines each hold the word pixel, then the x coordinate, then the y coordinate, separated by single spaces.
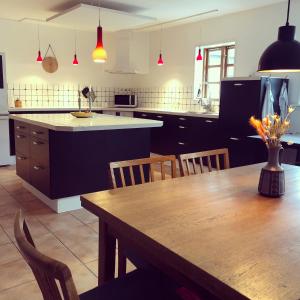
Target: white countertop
pixel 287 138
pixel 66 122
pixel 138 109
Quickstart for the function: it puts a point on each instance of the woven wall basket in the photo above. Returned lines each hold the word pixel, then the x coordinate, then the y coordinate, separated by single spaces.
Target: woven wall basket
pixel 50 63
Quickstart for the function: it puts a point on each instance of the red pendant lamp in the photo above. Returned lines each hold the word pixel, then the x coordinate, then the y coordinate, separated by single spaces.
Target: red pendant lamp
pixel 99 54
pixel 39 58
pixel 199 56
pixel 160 61
pixel 75 60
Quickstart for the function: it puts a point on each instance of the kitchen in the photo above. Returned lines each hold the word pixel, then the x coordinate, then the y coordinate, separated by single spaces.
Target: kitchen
pixel 175 81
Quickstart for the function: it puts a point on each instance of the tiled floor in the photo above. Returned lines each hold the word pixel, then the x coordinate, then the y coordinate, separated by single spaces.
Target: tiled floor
pixel 69 237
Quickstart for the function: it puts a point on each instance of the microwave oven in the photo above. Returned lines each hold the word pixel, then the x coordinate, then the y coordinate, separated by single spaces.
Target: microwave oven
pixel 125 101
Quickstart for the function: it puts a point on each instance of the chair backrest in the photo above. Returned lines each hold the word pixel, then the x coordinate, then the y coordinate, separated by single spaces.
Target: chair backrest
pixel 200 162
pixel 47 271
pixel 132 172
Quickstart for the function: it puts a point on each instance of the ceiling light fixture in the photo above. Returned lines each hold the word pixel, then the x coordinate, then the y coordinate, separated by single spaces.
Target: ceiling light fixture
pixel 199 56
pixel 39 58
pixel 160 61
pixel 99 54
pixel 284 54
pixel 75 60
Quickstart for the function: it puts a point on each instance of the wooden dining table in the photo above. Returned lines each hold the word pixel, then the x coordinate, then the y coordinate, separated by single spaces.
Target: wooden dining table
pixel 211 231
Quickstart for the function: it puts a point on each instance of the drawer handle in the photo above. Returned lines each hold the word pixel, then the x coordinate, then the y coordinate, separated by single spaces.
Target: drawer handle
pixel 234 139
pixel 21 158
pixel 19 136
pixel 182 127
pixel 182 119
pixel 144 115
pixel 37 168
pixel 21 127
pixel 208 121
pixel 37 143
pixel 160 117
pixel 37 132
pixel 238 84
pixel 181 143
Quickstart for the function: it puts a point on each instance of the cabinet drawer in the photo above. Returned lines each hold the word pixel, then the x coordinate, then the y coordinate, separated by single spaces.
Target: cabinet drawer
pixel 40 176
pixel 21 126
pixel 22 142
pixel 39 132
pixel 39 150
pixel 22 166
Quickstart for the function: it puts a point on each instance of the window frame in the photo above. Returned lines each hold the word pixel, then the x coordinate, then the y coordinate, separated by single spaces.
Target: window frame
pixel 223 65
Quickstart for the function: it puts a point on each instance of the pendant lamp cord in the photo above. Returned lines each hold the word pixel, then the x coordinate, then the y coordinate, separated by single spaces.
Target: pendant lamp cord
pixel 288 13
pixel 99 12
pixel 39 41
pixel 160 38
pixel 75 33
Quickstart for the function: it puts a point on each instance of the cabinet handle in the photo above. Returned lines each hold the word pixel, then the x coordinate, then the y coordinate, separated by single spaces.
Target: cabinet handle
pixel 19 136
pixel 234 139
pixel 37 168
pixel 37 143
pixel 238 84
pixel 182 119
pixel 20 127
pixel 21 158
pixel 181 143
pixel 182 127
pixel 144 115
pixel 208 121
pixel 37 132
pixel 160 117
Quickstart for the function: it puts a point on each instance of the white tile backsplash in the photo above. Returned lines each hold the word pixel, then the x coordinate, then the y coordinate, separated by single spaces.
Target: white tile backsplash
pixel 65 96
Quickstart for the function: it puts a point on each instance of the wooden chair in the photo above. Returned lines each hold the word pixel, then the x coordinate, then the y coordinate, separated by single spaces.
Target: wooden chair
pixel 137 168
pixel 55 279
pixel 189 162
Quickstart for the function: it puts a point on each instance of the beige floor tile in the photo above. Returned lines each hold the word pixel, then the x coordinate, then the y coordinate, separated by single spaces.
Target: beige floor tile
pixel 55 249
pixel 56 222
pixel 6 198
pixel 84 279
pixel 84 216
pixel 9 253
pixel 26 291
pixel 33 205
pixel 23 196
pixel 14 273
pixel 9 208
pixel 36 228
pixel 94 226
pixel 81 240
pixel 4 239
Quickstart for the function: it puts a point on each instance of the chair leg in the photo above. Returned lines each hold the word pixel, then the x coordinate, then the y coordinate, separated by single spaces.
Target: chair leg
pixel 121 260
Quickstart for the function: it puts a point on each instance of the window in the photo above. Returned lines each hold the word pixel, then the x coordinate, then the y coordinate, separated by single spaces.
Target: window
pixel 218 62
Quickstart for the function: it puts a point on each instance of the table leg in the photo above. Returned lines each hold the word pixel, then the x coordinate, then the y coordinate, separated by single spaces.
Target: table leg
pixel 107 254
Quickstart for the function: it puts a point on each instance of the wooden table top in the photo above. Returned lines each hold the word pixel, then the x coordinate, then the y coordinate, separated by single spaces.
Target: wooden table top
pixel 216 229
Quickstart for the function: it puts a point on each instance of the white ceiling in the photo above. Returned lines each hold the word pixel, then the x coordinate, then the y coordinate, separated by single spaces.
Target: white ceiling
pixel 160 10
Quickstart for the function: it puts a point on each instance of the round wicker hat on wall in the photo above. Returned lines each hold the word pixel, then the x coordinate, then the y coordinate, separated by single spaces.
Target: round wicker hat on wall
pixel 50 63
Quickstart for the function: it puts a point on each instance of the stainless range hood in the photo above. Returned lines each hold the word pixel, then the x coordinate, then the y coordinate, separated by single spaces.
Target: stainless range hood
pixel 131 53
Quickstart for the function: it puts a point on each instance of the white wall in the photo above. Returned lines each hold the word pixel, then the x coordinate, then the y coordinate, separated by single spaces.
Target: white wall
pixel 19 42
pixel 252 31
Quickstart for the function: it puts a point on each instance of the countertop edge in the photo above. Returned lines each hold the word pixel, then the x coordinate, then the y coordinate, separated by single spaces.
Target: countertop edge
pixel 138 109
pixel 148 124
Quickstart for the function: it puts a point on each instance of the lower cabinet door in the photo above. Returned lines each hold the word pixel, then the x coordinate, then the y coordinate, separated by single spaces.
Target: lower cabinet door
pixel 40 177
pixel 22 166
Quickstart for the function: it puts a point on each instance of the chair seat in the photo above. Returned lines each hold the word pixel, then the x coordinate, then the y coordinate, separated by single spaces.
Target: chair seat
pixel 137 285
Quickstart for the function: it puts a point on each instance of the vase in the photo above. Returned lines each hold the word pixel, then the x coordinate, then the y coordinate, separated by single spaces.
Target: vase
pixel 271 182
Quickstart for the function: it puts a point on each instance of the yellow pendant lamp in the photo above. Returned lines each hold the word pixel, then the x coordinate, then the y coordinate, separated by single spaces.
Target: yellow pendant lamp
pixel 99 54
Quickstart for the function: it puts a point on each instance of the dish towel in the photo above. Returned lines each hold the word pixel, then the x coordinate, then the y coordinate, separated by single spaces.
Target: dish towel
pixel 283 101
pixel 268 106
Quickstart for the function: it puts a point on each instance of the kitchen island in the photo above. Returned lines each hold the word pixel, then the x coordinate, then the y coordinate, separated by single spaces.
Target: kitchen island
pixel 59 157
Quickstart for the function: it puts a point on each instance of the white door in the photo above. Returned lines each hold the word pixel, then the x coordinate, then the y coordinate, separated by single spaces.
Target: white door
pixel 5 158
